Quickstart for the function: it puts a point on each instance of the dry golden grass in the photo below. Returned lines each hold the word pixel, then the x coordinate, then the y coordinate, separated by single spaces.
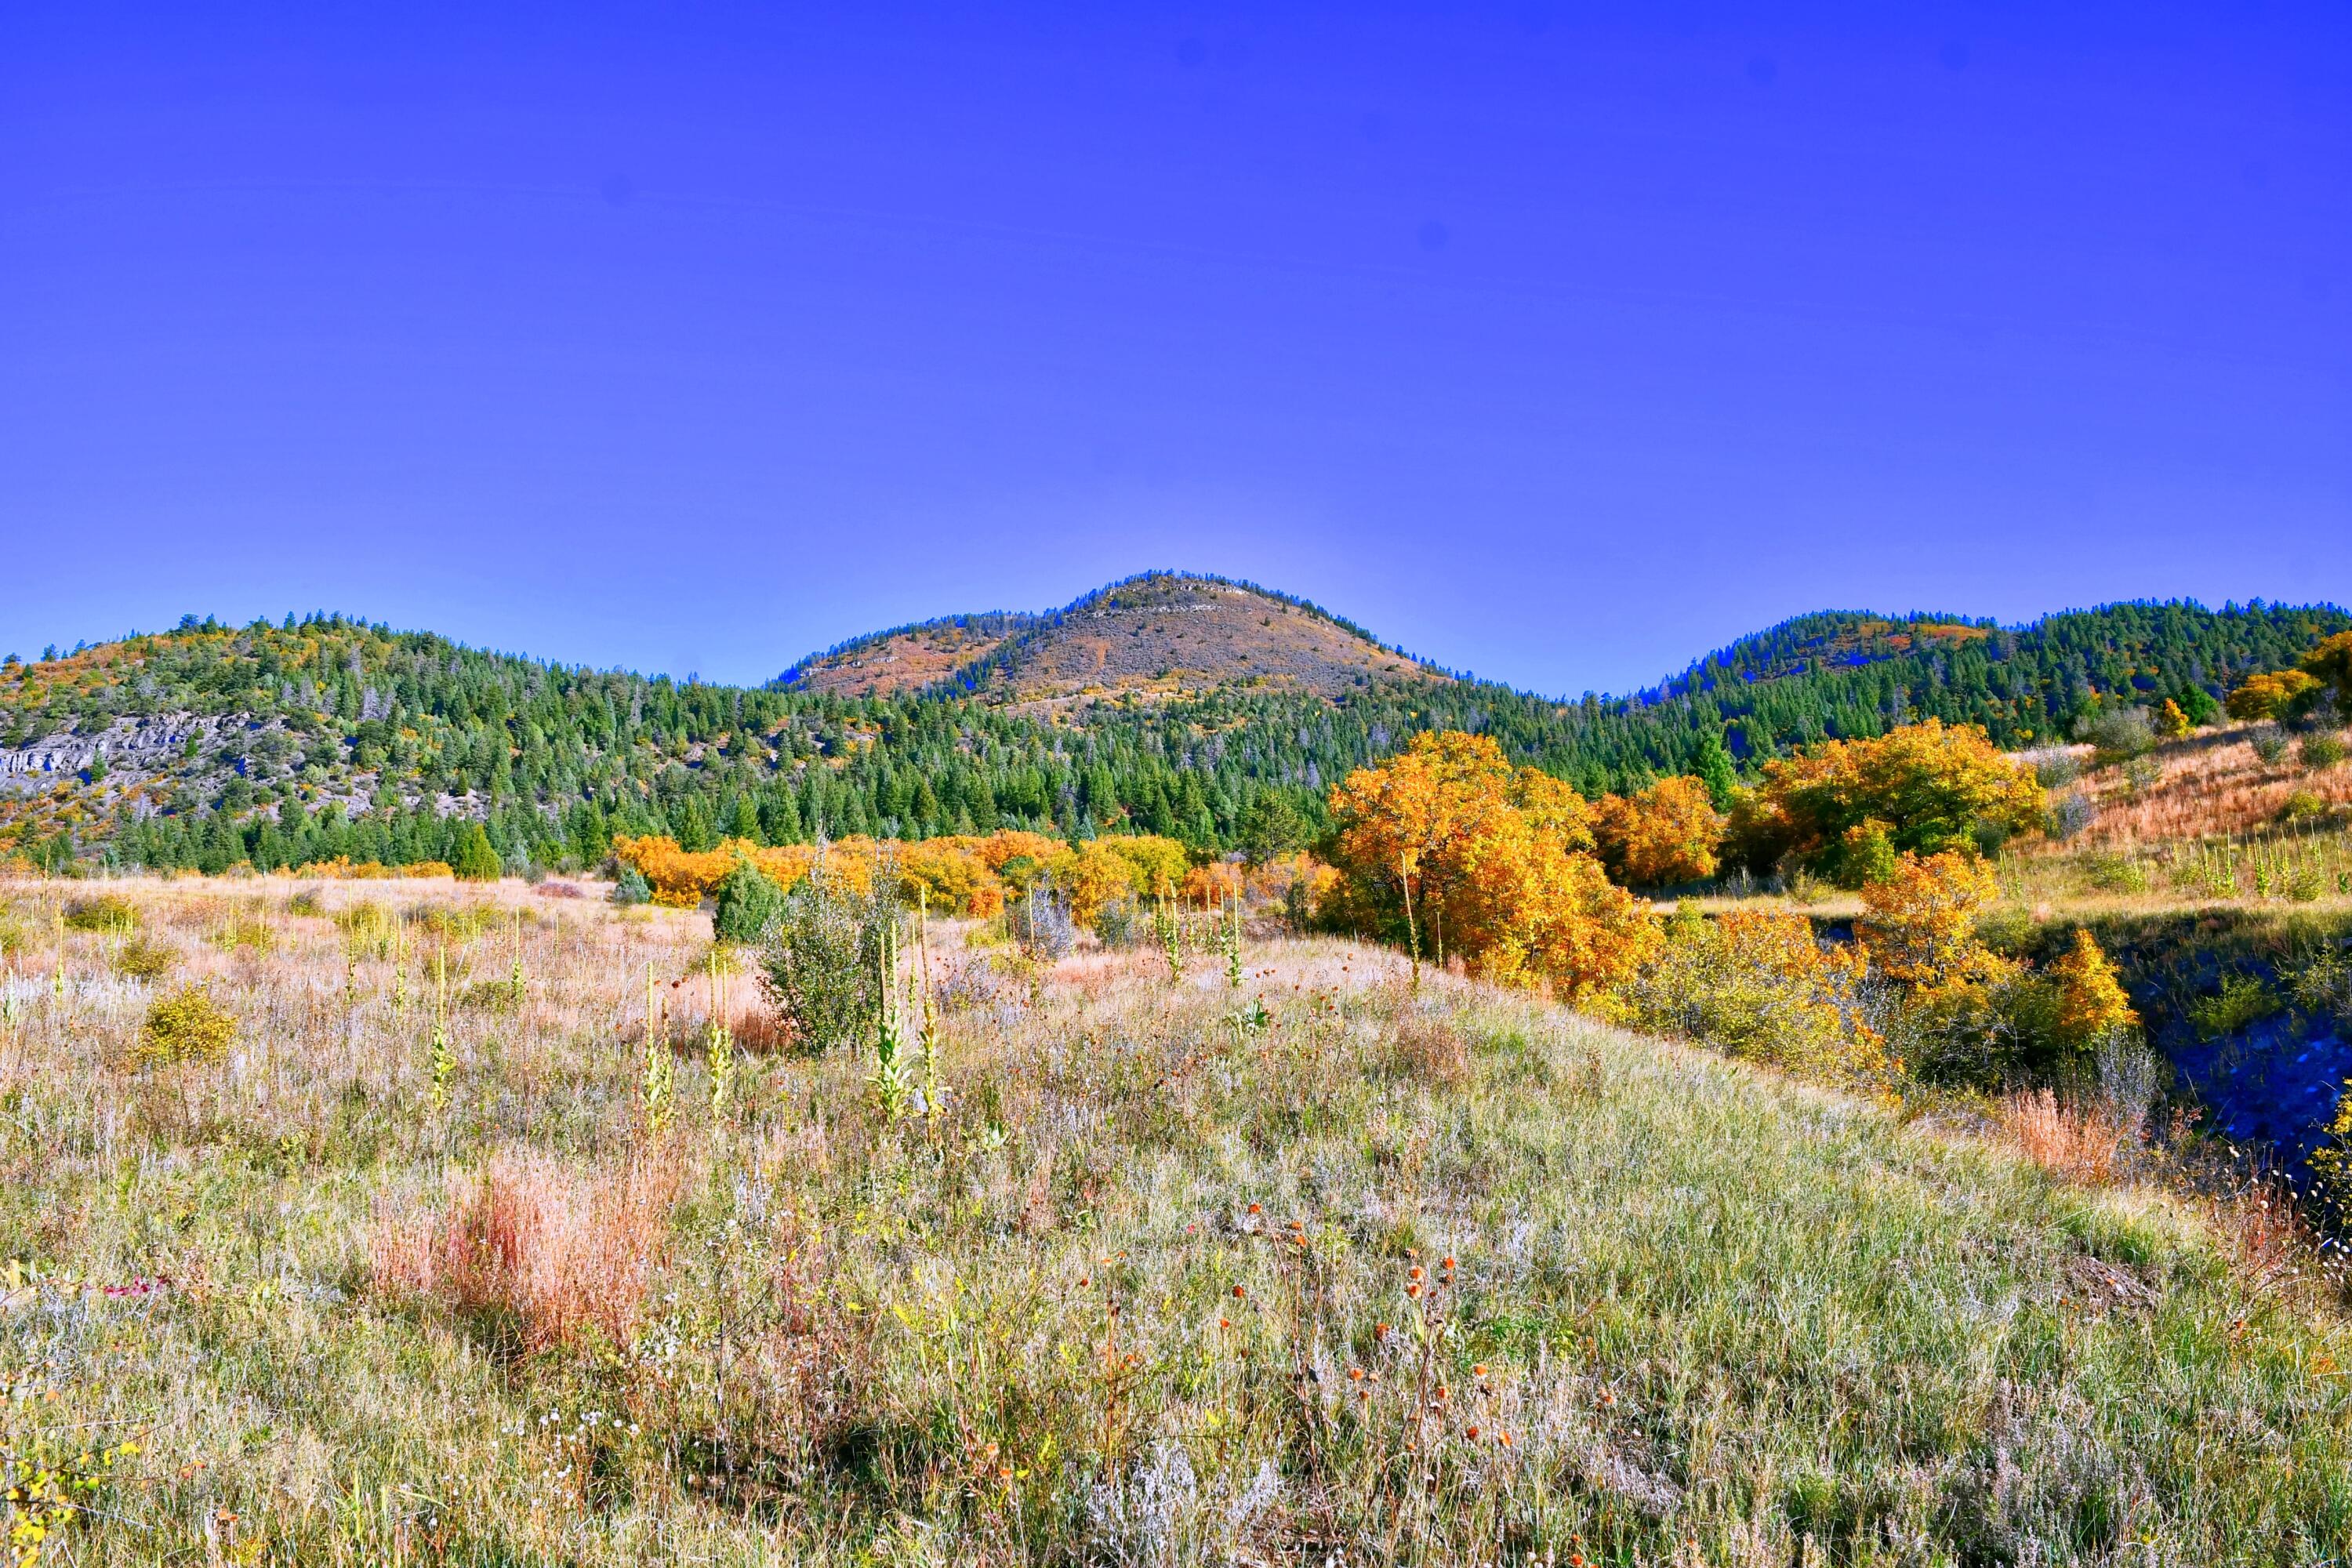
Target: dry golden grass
pixel 1376 1275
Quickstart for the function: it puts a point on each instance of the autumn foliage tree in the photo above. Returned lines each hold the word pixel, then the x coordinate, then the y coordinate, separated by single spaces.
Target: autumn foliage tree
pixel 2271 695
pixel 2091 999
pixel 1494 863
pixel 1667 833
pixel 1923 789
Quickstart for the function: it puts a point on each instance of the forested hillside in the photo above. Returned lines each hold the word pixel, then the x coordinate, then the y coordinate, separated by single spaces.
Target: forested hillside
pixel 289 743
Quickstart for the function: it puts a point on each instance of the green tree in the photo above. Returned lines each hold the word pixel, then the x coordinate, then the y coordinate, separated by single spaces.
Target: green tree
pixel 476 860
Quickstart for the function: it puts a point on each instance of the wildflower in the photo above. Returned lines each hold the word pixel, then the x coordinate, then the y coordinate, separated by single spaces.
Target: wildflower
pixel 1254 1209
pixel 1240 1291
pixel 1355 1374
pixel 1414 1291
pixel 1504 1438
pixel 1473 1434
pixel 1479 1370
pixel 1413 1272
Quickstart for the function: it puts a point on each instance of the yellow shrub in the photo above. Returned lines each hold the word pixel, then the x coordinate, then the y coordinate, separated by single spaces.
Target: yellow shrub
pixel 1757 984
pixel 187 1025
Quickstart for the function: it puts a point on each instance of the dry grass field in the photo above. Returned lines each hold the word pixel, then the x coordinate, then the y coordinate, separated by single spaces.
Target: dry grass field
pixel 1322 1269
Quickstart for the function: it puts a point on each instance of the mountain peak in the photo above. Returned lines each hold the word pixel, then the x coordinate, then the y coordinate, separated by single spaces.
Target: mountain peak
pixel 1153 636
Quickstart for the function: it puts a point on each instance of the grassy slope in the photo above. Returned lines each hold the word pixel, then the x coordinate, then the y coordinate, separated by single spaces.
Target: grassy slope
pixel 1712 1308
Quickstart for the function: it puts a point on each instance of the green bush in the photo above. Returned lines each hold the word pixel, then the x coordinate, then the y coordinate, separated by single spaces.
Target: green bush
pixel 2242 1002
pixel 2323 750
pixel 140 959
pixel 747 903
pixel 187 1025
pixel 2302 806
pixel 632 887
pixel 106 914
pixel 822 957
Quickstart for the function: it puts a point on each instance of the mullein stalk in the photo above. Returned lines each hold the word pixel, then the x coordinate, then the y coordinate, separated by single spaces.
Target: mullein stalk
pixel 934 1104
pixel 719 1042
pixel 443 1058
pixel 1233 944
pixel 893 1083
pixel 658 1059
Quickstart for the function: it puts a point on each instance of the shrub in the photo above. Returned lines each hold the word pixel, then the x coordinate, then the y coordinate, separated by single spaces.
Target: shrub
pixel 747 903
pixel 1115 923
pixel 2052 769
pixel 1494 861
pixel 822 959
pixel 2242 1002
pixel 107 913
pixel 2270 744
pixel 2302 806
pixel 305 903
pixel 140 959
pixel 1919 924
pixel 367 927
pixel 2323 750
pixel 1040 922
pixel 187 1025
pixel 1432 1049
pixel 2171 722
pixel 2142 772
pixel 2117 732
pixel 2072 813
pixel 630 886
pixel 1756 983
pixel 245 931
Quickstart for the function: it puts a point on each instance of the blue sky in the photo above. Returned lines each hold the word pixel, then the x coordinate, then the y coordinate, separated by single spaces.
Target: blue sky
pixel 1556 343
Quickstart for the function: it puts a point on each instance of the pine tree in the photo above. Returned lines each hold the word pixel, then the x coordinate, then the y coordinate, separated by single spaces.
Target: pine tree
pixel 476 861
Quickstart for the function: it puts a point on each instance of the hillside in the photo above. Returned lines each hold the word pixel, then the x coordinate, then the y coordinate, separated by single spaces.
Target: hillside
pixel 1385 1277
pixel 1166 704
pixel 1160 634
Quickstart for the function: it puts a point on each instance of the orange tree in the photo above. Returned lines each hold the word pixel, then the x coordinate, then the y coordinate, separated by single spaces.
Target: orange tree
pixel 1667 833
pixel 1497 860
pixel 1922 789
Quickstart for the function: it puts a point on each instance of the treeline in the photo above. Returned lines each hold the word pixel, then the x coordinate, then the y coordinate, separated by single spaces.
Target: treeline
pixel 335 737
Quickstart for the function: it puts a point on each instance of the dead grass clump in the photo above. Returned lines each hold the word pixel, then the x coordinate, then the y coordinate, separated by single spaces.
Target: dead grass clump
pixel 563 1252
pixel 761 1032
pixel 2084 1142
pixel 1432 1049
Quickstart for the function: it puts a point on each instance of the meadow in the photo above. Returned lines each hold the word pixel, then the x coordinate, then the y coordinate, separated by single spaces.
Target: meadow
pixel 1161 1269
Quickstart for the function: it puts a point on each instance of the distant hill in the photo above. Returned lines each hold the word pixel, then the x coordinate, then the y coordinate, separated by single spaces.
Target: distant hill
pixel 1166 702
pixel 1160 635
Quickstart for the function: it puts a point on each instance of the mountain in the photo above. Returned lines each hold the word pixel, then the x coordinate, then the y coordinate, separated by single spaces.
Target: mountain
pixel 1159 635
pixel 1166 703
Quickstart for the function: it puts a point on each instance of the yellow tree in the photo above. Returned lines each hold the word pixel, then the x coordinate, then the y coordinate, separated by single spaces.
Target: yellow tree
pixel 2331 662
pixel 2268 696
pixel 2091 998
pixel 1929 784
pixel 1919 924
pixel 1498 857
pixel 1668 834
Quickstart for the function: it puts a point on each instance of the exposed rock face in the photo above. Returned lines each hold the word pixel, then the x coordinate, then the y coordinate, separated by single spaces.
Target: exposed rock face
pixel 137 744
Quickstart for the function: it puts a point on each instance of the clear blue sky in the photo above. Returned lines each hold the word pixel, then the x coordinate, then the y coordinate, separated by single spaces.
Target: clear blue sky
pixel 1557 342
